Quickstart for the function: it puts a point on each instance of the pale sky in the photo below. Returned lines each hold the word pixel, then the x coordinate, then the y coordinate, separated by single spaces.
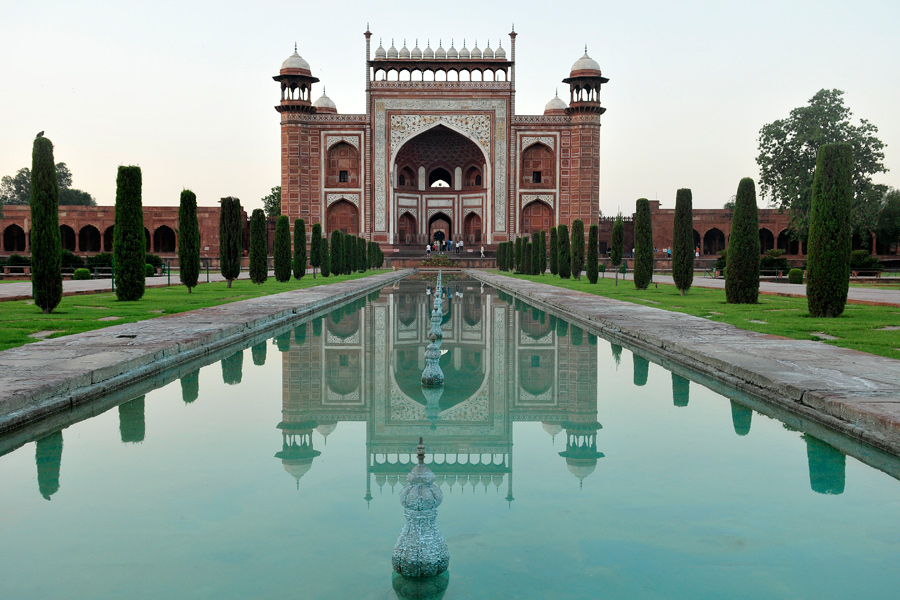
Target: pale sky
pixel 185 89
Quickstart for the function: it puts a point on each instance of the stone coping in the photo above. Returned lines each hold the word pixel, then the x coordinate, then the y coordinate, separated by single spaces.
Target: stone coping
pixel 46 377
pixel 854 393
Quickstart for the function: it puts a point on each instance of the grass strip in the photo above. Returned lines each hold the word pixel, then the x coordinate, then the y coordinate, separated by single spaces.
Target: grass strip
pixel 19 319
pixel 861 327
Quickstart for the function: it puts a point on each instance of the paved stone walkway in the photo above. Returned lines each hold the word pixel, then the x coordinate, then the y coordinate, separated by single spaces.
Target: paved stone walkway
pixel 46 377
pixel 852 392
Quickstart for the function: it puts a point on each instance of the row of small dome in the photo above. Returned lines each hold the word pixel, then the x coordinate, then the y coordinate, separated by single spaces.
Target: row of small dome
pixel 451 53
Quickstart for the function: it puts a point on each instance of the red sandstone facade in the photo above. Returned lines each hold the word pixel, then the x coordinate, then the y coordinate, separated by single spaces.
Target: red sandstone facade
pixel 440 152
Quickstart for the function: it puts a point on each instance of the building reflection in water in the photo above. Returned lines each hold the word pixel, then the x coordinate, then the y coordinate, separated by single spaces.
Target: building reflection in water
pixel 501 365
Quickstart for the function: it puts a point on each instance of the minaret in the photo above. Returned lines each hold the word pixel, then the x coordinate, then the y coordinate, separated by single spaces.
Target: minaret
pixel 296 84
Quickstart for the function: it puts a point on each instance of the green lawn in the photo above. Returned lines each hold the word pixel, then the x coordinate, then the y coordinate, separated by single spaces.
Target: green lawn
pixel 75 314
pixel 859 328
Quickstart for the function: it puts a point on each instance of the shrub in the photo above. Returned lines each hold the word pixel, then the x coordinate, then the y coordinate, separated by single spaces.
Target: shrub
pixel 103 260
pixel 564 254
pixel 128 236
pixel 773 262
pixel 683 241
pixel 643 245
pixel 46 246
pixel 861 260
pixel 68 260
pixel 742 258
pixel 795 276
pixel 439 261
pixel 282 249
pixel 81 274
pixel 554 251
pixel 188 240
pixel 299 248
pixel 231 238
pixel 577 248
pixel 259 247
pixel 149 270
pixel 153 259
pixel 602 268
pixel 592 258
pixel 828 275
pixel 722 260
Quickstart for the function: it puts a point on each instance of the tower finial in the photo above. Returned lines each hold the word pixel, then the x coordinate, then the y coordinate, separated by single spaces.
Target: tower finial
pixel 295 46
pixel 513 26
pixel 585 48
pixel 420 452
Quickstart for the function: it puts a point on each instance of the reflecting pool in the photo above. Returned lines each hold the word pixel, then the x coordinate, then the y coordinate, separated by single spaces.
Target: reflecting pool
pixel 571 468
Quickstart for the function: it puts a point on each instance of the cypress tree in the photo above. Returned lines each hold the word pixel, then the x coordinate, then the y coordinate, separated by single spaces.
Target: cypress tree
pixel 349 253
pixel 564 258
pixel 643 245
pixel 362 260
pixel 46 246
pixel 618 242
pixel 527 261
pixel 577 248
pixel 324 257
pixel 231 238
pixel 509 251
pixel 336 252
pixel 315 248
pixel 592 258
pixel 828 260
pixel 543 253
pixel 282 249
pixel 188 240
pixel 554 251
pixel 299 248
pixel 190 386
pixel 258 352
pixel 536 254
pixel 518 255
pixel 259 251
pixel 683 241
pixel 742 259
pixel 128 235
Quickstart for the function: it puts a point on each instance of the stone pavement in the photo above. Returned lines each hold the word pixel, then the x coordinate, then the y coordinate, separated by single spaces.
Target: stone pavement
pixel 47 377
pixel 852 392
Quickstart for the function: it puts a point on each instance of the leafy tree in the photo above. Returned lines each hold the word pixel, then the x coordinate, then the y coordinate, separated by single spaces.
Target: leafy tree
pixel 618 243
pixel 300 249
pixel 577 248
pixel 554 251
pixel 542 262
pixel 683 241
pixel 188 240
pixel 828 260
pixel 888 229
pixel 742 257
pixel 282 249
pixel 272 202
pixel 16 189
pixel 259 247
pixel 315 248
pixel 592 258
pixel 643 245
pixel 564 254
pixel 528 261
pixel 788 149
pixel 128 235
pixel 46 247
pixel 337 252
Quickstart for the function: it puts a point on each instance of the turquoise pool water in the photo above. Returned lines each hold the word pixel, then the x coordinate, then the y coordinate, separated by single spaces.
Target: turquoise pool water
pixel 571 468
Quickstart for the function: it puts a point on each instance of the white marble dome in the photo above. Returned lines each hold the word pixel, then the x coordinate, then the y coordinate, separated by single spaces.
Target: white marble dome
pixel 488 52
pixel 416 52
pixel 295 61
pixel 380 52
pixel 585 63
pixel 325 104
pixel 404 51
pixel 500 53
pixel 428 54
pixel 392 51
pixel 555 104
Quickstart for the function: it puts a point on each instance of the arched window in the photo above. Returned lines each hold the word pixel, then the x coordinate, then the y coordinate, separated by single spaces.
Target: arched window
pixel 342 166
pixel 440 177
pixel 538 167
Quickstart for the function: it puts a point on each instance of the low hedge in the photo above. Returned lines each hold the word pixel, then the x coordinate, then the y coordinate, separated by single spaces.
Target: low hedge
pixel 795 276
pixel 149 270
pixel 81 274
